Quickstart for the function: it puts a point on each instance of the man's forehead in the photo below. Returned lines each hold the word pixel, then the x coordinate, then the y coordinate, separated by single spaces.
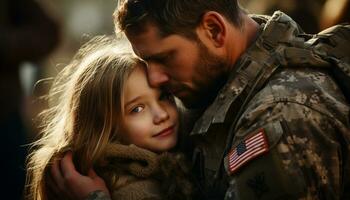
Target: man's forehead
pixel 147 42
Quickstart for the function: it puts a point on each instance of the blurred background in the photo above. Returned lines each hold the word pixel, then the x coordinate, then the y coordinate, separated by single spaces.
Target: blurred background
pixel 77 21
pixel 39 37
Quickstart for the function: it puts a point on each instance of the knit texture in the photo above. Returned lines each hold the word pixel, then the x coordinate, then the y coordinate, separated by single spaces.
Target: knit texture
pixel 135 173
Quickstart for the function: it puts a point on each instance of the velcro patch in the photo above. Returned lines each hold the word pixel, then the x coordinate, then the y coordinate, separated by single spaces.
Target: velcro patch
pixel 246 150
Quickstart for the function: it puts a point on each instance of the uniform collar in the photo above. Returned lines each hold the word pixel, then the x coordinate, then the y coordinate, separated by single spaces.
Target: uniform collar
pixel 217 111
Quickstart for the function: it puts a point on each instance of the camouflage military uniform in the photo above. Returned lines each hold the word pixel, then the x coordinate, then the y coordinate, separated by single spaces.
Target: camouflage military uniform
pixel 300 114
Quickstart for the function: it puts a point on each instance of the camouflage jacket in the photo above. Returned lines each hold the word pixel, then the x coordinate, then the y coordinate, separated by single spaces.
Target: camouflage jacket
pixel 286 129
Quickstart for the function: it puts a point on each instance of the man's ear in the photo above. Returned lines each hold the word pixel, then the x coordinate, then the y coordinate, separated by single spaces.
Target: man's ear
pixel 213 27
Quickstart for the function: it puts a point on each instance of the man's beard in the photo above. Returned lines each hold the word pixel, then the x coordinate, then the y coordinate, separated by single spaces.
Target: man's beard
pixel 209 77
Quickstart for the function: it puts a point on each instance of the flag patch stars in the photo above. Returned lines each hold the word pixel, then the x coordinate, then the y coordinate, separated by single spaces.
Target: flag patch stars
pixel 246 150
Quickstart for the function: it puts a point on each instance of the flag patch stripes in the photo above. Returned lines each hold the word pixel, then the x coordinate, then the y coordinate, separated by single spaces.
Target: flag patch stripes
pixel 246 150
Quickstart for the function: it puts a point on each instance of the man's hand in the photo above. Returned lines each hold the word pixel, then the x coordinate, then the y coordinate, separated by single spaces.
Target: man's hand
pixel 70 184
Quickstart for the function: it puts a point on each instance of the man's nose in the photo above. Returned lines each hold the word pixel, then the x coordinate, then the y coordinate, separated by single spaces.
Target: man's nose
pixel 156 75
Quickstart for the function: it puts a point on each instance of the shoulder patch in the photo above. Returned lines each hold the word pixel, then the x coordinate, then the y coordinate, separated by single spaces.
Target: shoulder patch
pixel 248 149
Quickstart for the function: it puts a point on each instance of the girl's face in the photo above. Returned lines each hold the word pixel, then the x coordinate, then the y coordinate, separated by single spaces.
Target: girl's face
pixel 150 118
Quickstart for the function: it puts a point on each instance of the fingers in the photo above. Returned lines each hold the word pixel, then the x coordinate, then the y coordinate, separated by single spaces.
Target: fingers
pixel 57 183
pixel 52 185
pixel 64 175
pixel 54 192
pixel 57 176
pixel 67 166
pixel 71 183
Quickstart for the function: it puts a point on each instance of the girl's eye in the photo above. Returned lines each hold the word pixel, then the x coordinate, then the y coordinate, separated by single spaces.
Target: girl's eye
pixel 137 109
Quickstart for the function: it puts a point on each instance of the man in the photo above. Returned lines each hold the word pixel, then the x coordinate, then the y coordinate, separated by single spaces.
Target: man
pixel 271 129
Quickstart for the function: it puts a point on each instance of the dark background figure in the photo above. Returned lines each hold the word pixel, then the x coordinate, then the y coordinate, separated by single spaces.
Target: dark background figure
pixel 312 15
pixel 27 33
pixel 305 12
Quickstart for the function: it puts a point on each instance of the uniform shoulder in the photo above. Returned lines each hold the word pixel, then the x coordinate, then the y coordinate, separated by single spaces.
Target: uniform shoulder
pixel 305 86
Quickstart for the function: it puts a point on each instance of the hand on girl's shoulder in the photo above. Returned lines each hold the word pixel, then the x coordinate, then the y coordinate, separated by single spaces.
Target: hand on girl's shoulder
pixel 73 185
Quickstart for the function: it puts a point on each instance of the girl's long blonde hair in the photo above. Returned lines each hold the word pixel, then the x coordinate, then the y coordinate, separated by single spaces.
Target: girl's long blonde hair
pixel 85 103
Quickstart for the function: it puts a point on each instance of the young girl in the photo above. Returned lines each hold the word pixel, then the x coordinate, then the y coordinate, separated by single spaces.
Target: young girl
pixel 110 119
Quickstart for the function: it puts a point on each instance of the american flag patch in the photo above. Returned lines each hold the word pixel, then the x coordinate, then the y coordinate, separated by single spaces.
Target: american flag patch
pixel 246 150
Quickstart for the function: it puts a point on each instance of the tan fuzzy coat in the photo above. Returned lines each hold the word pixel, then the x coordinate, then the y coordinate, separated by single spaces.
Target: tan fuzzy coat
pixel 134 173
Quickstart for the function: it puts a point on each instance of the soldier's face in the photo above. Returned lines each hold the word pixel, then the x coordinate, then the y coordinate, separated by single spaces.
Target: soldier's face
pixel 182 66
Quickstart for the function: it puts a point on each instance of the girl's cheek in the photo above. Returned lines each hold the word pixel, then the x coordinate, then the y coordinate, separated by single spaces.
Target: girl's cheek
pixel 137 127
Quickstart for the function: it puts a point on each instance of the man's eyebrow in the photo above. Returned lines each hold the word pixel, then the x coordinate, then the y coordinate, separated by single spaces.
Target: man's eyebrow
pixel 155 56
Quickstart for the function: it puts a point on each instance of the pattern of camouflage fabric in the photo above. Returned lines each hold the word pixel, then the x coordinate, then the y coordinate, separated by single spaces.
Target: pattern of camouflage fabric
pixel 302 111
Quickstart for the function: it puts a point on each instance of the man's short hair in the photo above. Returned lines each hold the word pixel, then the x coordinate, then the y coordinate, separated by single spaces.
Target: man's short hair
pixel 172 16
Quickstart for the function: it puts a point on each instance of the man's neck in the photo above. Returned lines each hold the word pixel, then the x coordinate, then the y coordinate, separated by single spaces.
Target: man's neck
pixel 247 34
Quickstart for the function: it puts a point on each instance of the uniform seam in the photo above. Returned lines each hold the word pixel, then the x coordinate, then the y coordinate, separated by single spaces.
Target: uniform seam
pixel 317 109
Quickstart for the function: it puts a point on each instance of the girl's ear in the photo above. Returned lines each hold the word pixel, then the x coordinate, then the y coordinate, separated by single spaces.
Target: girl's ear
pixel 213 26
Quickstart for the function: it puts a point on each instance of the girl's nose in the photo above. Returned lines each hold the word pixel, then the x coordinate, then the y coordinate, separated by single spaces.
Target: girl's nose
pixel 160 115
